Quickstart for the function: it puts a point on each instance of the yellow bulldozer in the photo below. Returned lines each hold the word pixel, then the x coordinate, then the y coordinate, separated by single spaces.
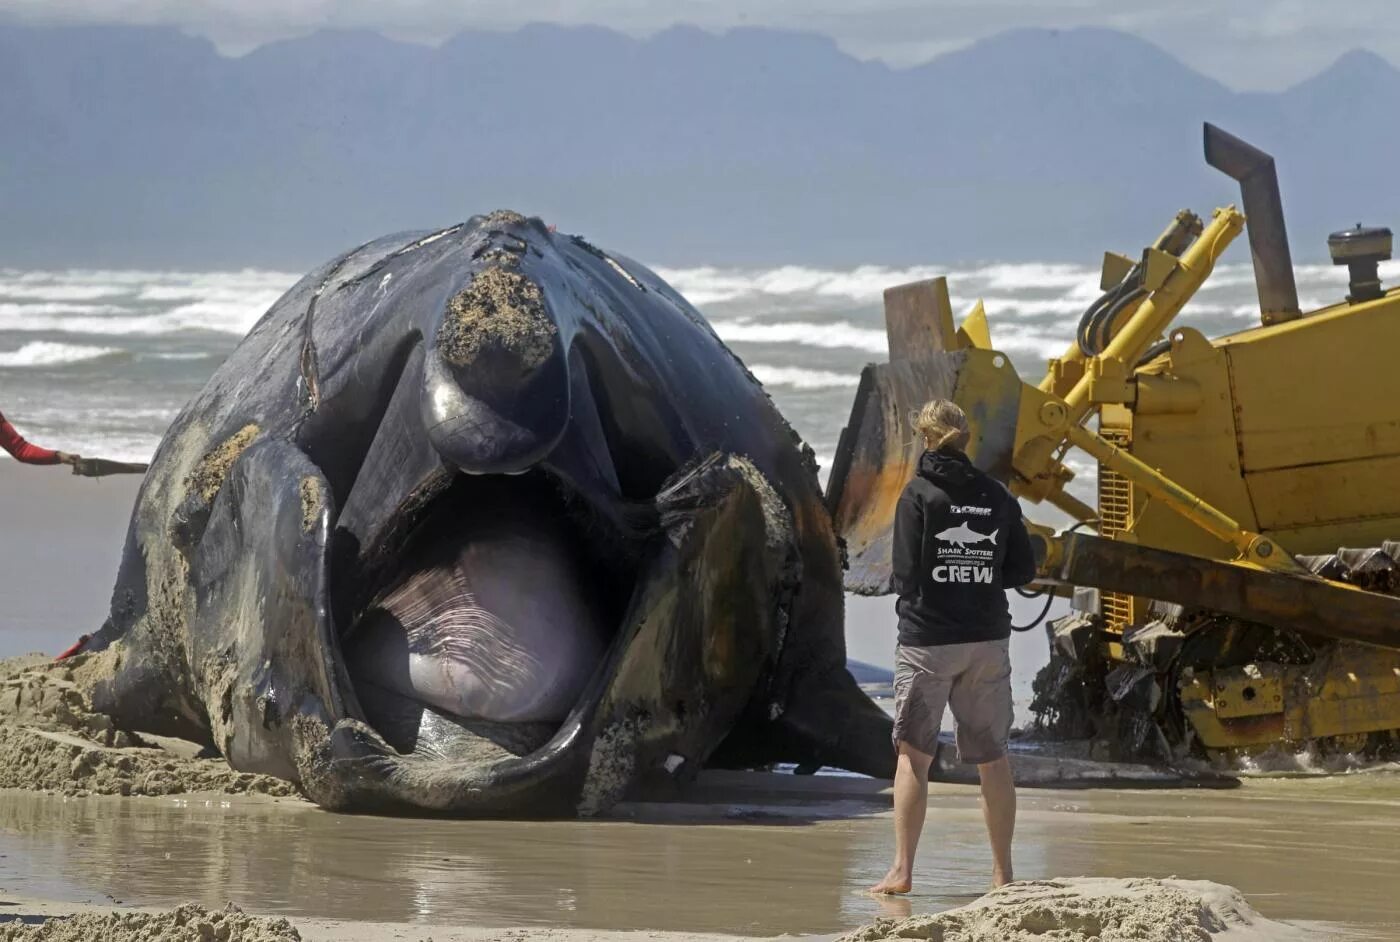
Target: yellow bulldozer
pixel 1235 588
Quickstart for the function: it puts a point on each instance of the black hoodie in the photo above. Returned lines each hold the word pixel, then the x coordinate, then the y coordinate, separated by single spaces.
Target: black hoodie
pixel 959 543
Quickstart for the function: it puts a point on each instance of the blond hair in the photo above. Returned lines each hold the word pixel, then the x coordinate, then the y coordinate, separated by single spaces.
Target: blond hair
pixel 942 423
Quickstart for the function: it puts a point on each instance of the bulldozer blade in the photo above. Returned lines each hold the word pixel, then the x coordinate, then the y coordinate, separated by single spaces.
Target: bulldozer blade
pixel 1300 603
pixel 878 451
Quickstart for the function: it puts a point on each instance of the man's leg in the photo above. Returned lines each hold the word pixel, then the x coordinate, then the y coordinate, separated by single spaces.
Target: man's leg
pixel 981 704
pixel 910 805
pixel 999 810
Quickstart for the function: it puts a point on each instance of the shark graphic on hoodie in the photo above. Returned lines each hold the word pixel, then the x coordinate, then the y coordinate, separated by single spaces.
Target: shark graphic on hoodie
pixel 951 578
pixel 962 535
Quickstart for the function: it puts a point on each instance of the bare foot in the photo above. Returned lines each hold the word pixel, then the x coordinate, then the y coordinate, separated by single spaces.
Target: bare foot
pixel 896 881
pixel 1000 879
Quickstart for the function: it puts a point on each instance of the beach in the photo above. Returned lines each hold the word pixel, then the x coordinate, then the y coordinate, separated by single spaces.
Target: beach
pixel 527 572
pixel 103 824
pixel 738 854
pixel 774 855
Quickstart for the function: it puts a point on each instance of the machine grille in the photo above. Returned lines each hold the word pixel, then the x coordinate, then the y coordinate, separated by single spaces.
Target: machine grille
pixel 1115 516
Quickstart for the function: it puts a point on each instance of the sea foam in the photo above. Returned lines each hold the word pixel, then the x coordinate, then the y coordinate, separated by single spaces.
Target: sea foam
pixel 43 353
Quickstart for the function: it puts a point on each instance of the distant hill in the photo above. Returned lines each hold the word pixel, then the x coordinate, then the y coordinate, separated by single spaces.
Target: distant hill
pixel 145 147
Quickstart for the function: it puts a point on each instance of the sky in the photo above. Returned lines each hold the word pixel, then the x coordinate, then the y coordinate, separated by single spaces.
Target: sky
pixel 1247 44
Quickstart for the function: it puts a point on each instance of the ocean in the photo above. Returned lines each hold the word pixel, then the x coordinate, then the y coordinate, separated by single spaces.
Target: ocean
pixel 100 362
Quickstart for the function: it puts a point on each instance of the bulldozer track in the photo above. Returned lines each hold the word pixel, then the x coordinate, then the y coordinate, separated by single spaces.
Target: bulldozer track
pixel 1183 660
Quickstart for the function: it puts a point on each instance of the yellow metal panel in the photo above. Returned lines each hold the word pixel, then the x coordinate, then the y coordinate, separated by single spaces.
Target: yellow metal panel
pixel 1195 449
pixel 974 331
pixel 1326 538
pixel 1115 269
pixel 1248 545
pixel 1344 490
pixel 1319 389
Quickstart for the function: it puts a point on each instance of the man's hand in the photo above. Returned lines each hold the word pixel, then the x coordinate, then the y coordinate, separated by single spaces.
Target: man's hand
pixel 69 459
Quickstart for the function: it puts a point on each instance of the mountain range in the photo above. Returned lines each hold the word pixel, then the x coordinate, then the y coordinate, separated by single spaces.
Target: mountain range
pixel 128 146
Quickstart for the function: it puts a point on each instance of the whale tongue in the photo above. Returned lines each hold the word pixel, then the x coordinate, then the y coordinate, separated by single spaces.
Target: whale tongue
pixel 493 618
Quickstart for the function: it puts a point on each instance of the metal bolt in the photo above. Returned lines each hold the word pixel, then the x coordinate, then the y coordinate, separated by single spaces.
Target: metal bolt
pixel 1053 413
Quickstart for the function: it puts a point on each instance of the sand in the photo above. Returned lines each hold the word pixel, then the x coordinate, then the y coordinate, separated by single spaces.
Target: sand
pixel 1092 908
pixel 1080 909
pixel 183 924
pixel 50 740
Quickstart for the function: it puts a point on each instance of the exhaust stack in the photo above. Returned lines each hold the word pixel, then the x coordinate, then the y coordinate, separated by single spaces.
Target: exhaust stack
pixel 1263 208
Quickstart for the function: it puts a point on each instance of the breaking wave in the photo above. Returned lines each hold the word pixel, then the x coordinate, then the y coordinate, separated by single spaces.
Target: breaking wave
pixel 137 303
pixel 796 377
pixel 805 331
pixel 839 334
pixel 42 353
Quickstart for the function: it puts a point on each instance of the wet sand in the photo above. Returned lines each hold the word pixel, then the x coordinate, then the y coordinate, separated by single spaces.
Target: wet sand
pixel 1317 851
pixel 61 543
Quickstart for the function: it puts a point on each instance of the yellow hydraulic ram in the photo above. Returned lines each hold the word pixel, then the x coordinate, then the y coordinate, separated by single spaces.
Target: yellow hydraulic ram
pixel 1020 431
pixel 1049 422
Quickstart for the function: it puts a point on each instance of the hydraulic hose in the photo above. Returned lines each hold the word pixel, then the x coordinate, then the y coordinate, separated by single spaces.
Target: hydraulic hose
pixel 1092 335
pixel 1049 596
pixel 1049 600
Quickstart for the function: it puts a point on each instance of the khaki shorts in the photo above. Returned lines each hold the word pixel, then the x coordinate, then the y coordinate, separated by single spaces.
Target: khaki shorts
pixel 974 679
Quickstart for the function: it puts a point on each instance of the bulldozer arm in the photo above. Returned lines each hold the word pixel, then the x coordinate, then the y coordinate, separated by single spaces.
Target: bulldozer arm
pixel 1019 434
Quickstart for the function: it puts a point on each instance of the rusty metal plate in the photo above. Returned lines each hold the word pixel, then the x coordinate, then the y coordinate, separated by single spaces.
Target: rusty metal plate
pixel 878 451
pixel 1284 600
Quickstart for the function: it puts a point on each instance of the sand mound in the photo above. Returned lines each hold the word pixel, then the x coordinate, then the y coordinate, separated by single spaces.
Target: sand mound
pixel 50 740
pixel 1092 908
pixel 189 923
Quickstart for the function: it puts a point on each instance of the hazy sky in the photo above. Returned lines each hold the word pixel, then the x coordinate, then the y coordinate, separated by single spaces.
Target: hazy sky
pixel 1248 44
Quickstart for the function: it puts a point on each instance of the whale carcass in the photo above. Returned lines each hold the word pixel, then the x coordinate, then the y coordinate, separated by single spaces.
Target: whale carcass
pixel 485 521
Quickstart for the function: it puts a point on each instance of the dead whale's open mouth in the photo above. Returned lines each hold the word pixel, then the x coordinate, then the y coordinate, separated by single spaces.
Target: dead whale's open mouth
pixel 483 633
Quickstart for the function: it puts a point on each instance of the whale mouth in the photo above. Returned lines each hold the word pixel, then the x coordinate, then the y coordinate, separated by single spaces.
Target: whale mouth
pixel 491 620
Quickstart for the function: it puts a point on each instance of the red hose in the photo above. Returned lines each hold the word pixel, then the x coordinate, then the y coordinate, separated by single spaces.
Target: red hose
pixel 82 640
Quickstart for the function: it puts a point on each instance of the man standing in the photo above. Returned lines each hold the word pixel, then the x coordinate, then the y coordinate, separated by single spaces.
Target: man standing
pixel 959 543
